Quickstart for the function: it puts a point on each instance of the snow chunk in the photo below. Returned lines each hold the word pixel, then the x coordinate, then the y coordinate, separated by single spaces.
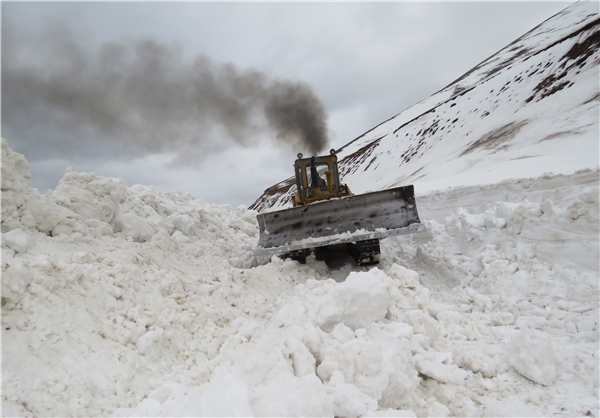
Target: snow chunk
pixel 362 299
pixel 15 279
pixel 408 278
pixel 533 357
pixel 16 239
pixel 135 227
pixel 443 373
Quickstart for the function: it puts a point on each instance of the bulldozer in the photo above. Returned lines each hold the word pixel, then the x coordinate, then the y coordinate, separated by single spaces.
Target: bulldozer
pixel 326 213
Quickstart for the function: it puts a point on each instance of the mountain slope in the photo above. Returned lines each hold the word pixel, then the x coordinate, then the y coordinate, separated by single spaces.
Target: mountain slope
pixel 517 114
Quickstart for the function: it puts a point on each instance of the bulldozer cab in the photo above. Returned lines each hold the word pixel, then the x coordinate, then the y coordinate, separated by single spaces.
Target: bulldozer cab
pixel 317 178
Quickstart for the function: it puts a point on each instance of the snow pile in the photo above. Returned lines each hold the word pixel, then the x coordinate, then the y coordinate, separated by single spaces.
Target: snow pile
pixel 121 301
pixel 524 279
pixel 24 208
pixel 308 362
pixel 74 278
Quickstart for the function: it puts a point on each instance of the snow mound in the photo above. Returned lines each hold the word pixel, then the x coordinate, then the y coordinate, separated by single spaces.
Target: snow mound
pixel 122 301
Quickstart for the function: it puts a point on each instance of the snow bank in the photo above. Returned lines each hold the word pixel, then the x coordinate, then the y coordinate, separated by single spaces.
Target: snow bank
pixel 101 284
pixel 122 301
pixel 519 269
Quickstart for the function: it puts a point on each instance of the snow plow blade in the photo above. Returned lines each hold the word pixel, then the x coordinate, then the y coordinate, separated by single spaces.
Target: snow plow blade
pixel 350 219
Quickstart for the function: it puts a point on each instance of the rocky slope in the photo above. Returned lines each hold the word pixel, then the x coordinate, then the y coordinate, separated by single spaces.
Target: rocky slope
pixel 517 114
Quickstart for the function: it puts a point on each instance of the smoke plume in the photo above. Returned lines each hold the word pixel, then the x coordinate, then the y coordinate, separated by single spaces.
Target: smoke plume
pixel 146 95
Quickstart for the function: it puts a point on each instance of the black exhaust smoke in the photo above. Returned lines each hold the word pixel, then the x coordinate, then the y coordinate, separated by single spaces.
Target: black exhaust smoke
pixel 146 95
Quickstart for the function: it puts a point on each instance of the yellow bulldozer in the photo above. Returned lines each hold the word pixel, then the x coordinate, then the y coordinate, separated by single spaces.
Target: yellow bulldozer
pixel 326 213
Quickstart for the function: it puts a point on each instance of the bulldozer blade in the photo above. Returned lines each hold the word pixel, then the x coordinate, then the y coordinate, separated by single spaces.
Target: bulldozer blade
pixel 350 219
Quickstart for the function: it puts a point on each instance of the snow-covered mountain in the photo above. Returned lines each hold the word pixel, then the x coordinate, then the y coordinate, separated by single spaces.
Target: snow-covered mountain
pixel 519 113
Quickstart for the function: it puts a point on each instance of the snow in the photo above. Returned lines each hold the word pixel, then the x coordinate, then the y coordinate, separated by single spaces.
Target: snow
pixel 531 355
pixel 16 240
pixel 122 301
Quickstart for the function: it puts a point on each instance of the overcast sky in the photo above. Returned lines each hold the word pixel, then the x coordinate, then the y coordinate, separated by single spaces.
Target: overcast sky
pixel 216 99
